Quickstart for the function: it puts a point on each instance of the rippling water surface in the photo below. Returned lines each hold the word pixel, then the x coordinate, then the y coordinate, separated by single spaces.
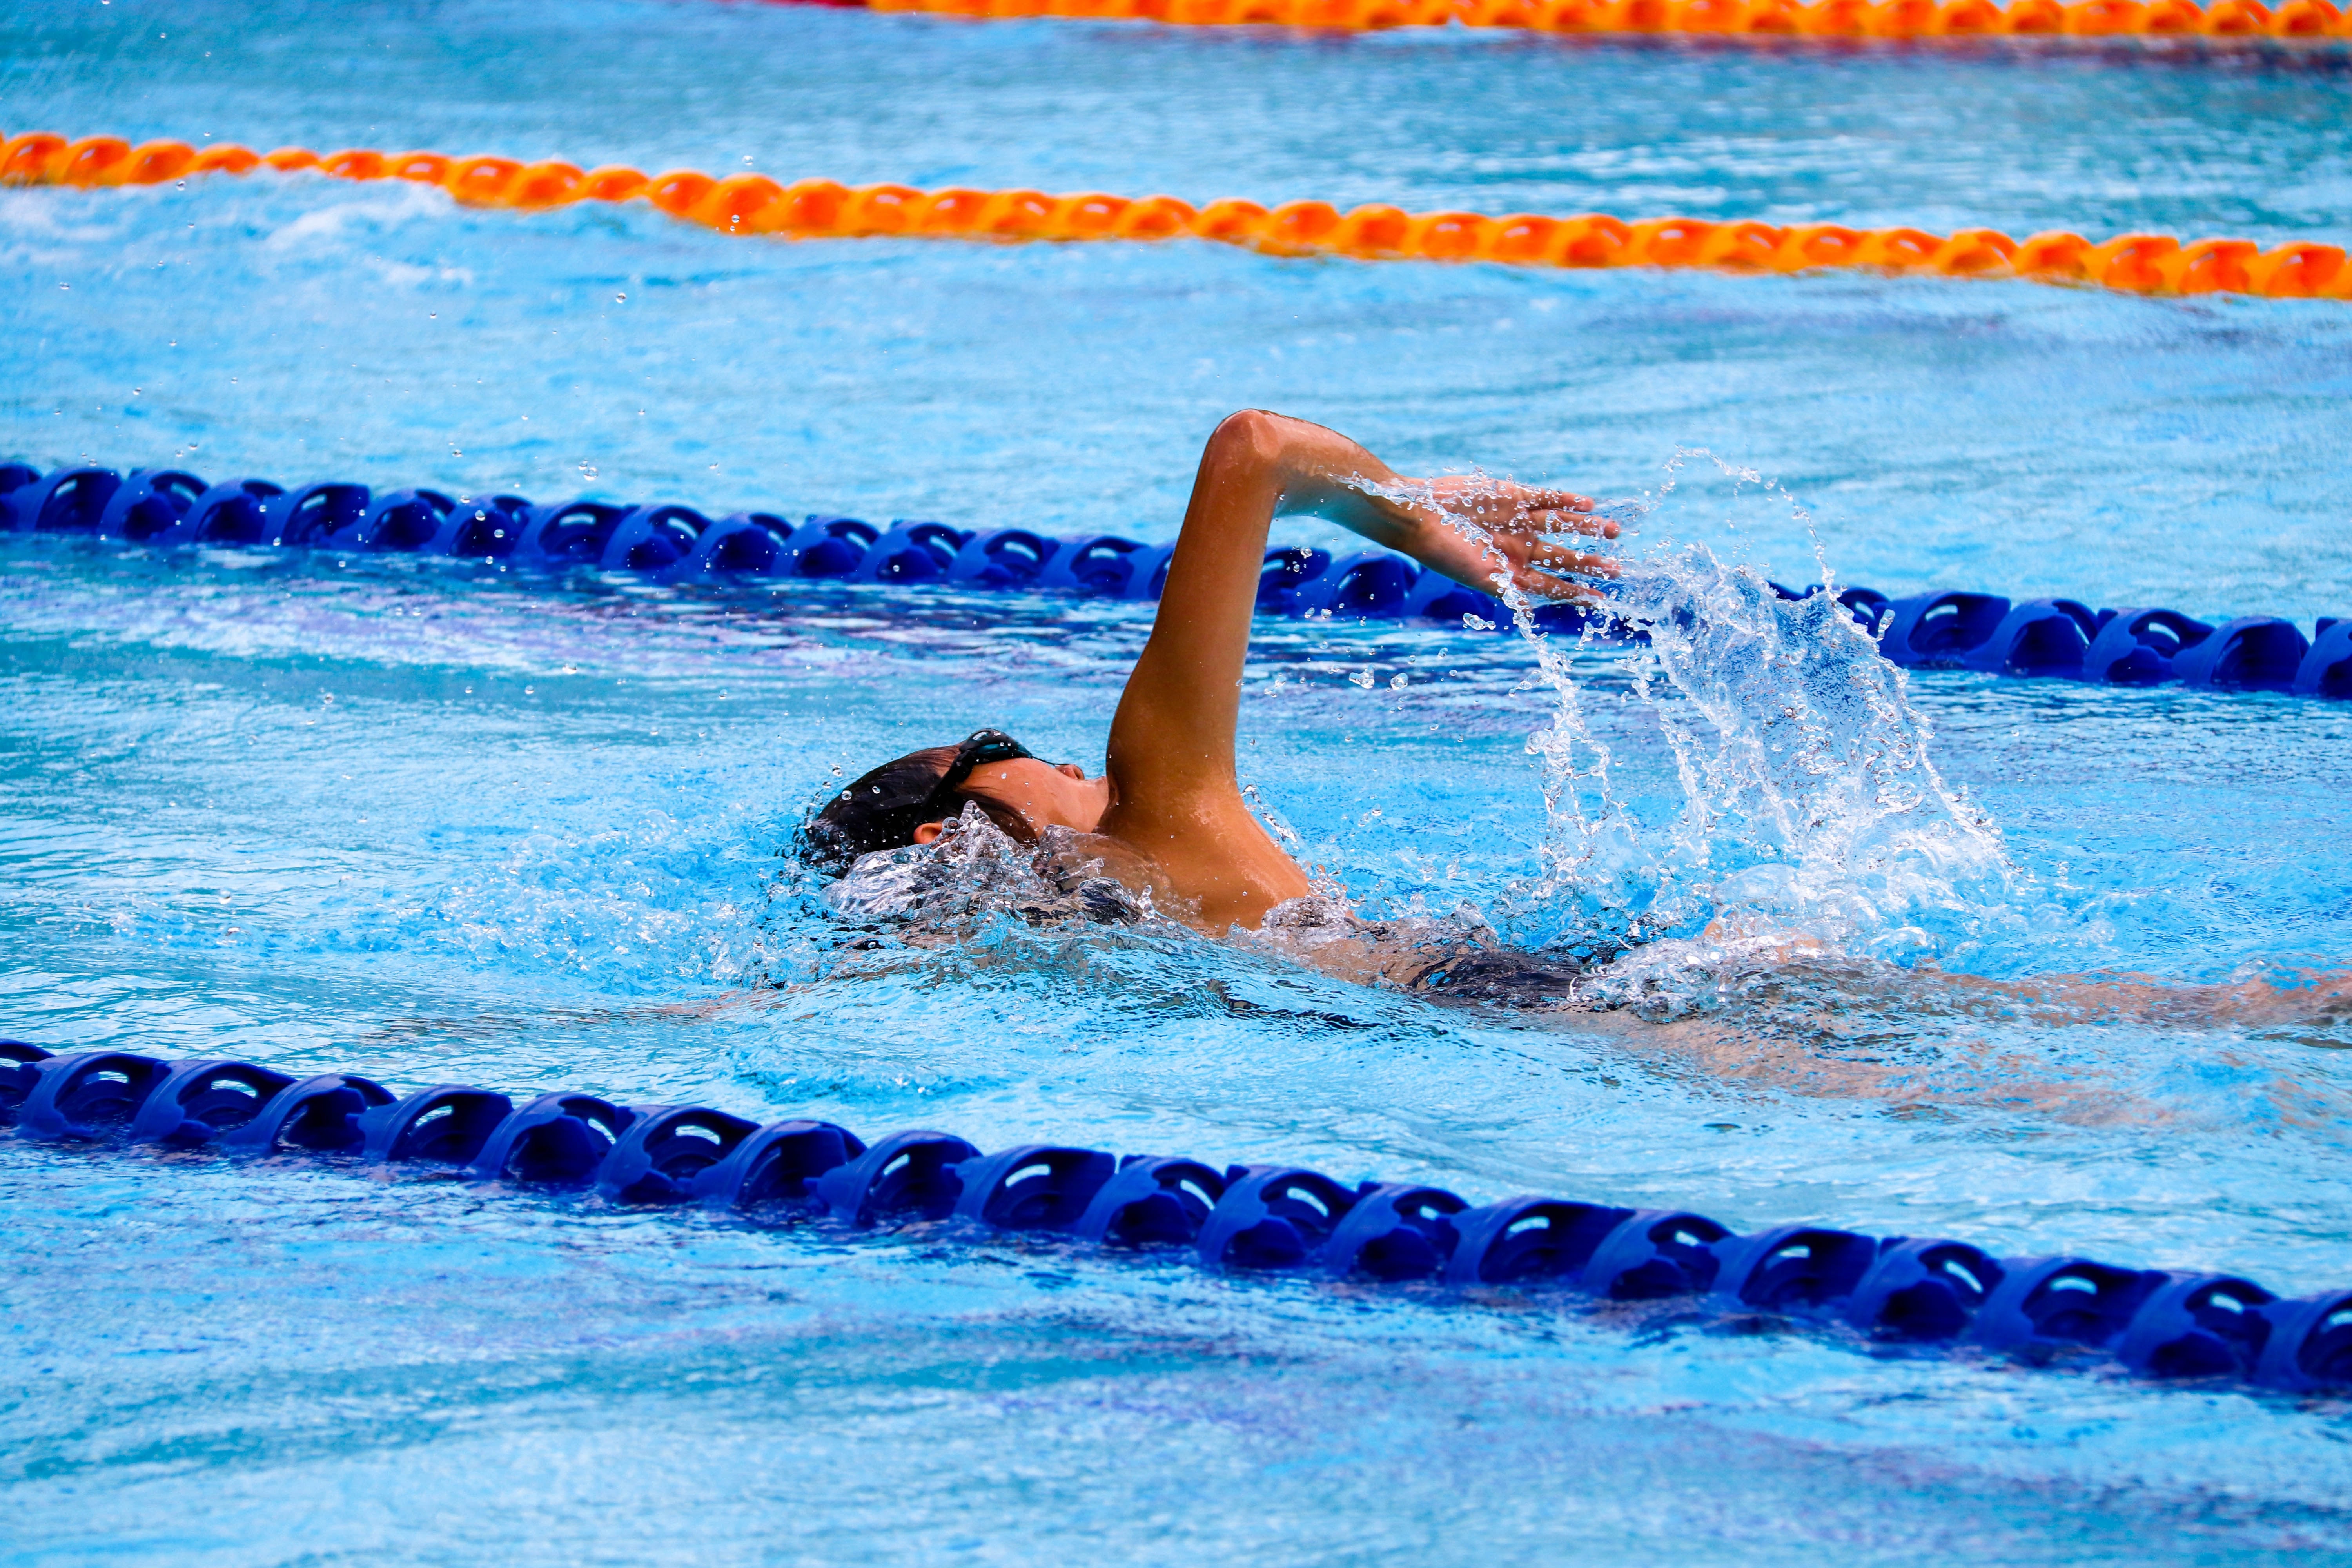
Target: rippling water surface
pixel 436 823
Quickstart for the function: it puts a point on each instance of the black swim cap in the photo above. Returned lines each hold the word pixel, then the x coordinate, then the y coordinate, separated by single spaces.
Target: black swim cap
pixel 881 809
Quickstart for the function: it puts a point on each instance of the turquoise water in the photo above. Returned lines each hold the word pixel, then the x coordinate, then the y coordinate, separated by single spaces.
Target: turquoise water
pixel 432 822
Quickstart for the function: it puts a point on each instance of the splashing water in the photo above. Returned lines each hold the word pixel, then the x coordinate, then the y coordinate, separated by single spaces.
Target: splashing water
pixel 1812 815
pixel 974 870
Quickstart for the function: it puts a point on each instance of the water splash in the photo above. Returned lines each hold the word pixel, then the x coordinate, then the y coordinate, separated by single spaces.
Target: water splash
pixel 1812 817
pixel 975 871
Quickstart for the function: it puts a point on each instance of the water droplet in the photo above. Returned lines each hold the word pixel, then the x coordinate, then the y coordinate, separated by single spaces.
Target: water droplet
pixel 1363 678
pixel 623 300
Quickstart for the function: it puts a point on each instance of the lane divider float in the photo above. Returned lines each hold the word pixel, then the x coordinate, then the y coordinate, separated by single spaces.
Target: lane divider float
pixel 671 542
pixel 816 208
pixel 1915 1291
pixel 2222 22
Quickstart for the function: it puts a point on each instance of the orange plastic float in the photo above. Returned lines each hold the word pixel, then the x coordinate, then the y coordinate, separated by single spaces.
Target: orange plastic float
pixel 545 185
pixel 355 165
pixel 2134 262
pixel 481 181
pixel 2028 18
pixel 1156 218
pixel 2301 271
pixel 1234 222
pixel 1090 216
pixel 1521 238
pixel 1590 239
pixel 158 162
pixel 1743 247
pixel 1375 229
pixel 1018 214
pixel 95 161
pixel 1666 242
pixel 2296 20
pixel 1449 236
pixel 1973 252
pixel 1298 226
pixel 229 158
pixel 680 191
pixel 425 168
pixel 1818 245
pixel 810 210
pixel 611 185
pixel 28 159
pixel 2055 257
pixel 1897 249
pixel 2210 266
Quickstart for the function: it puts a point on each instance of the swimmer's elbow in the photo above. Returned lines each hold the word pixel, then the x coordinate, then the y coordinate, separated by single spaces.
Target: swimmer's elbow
pixel 1252 438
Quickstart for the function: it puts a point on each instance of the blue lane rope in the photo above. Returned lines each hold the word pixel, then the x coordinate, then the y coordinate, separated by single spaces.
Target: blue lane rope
pixel 2136 645
pixel 1895 1291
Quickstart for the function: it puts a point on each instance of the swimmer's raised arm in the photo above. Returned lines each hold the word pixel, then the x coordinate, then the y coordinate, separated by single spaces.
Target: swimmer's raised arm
pixel 1170 794
pixel 1175 793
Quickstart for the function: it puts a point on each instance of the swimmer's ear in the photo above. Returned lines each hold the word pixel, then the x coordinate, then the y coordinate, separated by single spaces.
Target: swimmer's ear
pixel 928 832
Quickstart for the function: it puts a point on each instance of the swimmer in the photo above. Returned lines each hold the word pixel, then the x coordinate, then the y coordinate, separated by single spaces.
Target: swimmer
pixel 1167 811
pixel 1166 816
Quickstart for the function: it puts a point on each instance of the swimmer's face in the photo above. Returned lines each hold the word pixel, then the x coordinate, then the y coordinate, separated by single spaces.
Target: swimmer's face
pixel 1043 795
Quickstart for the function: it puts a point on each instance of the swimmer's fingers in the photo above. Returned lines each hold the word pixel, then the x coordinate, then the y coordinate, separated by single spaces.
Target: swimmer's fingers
pixel 1565 520
pixel 1554 590
pixel 1518 510
pixel 1526 498
pixel 1560 561
pixel 1507 506
pixel 1533 524
pixel 1549 572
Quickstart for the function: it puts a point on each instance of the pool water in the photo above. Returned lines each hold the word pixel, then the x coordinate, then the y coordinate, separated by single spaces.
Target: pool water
pixel 436 822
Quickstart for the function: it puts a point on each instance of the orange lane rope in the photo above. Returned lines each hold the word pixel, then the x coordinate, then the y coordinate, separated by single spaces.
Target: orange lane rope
pixel 755 204
pixel 2294 21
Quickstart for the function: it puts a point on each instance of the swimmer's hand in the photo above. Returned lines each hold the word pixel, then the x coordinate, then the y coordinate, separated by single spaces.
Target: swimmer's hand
pixel 1475 529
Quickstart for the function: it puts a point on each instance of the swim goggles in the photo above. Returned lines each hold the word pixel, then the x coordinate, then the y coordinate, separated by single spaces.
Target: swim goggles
pixel 979 749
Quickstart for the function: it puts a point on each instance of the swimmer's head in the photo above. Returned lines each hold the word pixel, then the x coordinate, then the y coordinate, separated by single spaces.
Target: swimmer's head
pixel 911 799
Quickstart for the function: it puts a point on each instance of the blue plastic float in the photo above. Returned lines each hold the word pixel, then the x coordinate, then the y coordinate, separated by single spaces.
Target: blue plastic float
pixel 1897 1291
pixel 2062 638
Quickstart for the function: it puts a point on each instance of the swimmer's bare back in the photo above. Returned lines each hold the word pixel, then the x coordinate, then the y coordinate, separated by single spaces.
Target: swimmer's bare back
pixel 1175 799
